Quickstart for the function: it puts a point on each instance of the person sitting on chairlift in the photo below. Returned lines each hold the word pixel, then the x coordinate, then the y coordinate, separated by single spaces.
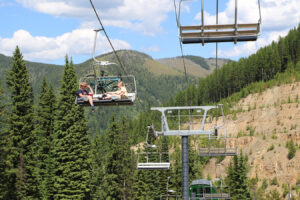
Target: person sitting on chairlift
pixel 83 94
pixel 121 93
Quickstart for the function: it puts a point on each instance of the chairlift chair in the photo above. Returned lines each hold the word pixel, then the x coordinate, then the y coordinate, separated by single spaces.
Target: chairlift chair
pixel 218 32
pixel 218 146
pixel 204 190
pixel 103 83
pixel 195 124
pixel 152 160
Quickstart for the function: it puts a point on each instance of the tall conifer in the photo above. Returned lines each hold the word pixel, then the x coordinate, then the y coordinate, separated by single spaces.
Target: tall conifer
pixel 20 124
pixel 237 180
pixel 113 180
pixel 44 131
pixel 4 151
pixel 71 147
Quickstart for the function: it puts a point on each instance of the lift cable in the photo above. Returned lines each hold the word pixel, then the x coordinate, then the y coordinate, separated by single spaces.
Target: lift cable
pixel 103 29
pixel 182 55
pixel 217 82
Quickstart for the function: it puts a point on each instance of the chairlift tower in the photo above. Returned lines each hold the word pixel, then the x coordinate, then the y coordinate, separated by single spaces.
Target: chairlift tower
pixel 184 122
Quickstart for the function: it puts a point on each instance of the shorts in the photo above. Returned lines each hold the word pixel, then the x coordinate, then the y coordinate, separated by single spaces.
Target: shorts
pixel 84 98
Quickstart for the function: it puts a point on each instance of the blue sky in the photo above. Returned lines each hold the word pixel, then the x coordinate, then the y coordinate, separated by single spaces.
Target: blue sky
pixel 47 30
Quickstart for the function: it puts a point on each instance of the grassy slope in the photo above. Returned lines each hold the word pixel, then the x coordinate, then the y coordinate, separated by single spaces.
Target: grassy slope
pixel 195 65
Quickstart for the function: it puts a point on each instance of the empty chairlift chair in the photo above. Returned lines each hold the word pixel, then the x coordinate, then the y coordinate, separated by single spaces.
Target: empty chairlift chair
pixel 153 158
pixel 203 33
pixel 218 146
pixel 202 189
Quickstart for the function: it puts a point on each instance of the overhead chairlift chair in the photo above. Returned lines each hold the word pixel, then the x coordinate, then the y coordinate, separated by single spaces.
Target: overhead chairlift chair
pixel 219 32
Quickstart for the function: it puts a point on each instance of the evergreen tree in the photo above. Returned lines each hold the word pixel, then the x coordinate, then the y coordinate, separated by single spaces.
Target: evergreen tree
pixel 177 171
pixel 98 154
pixel 237 180
pixel 71 147
pixel 128 169
pixel 112 185
pixel 44 131
pixel 163 174
pixel 4 151
pixel 20 126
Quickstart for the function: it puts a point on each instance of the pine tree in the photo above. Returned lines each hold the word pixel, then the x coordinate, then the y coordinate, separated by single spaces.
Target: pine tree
pixel 98 154
pixel 237 180
pixel 4 151
pixel 44 131
pixel 128 171
pixel 177 171
pixel 71 146
pixel 163 174
pixel 20 124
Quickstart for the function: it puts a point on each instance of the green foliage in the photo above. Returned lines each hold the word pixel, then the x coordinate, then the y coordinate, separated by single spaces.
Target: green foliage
pixel 292 149
pixel 20 126
pixel 274 181
pixel 285 188
pixel 71 146
pixel 274 195
pixel 4 149
pixel 117 171
pixel 198 60
pixel 44 131
pixel 271 148
pixel 264 184
pixel 237 180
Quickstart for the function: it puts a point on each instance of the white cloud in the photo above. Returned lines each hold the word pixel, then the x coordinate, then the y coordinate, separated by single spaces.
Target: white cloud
pixel 77 42
pixel 140 15
pixel 151 49
pixel 245 49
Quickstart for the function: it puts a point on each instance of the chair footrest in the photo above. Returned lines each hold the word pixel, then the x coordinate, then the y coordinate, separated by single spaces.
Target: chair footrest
pixel 192 40
pixel 153 166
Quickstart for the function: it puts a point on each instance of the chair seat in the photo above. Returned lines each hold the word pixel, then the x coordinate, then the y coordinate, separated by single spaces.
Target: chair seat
pixel 219 33
pixel 218 39
pixel 103 102
pixel 153 166
pixel 217 151
pixel 217 196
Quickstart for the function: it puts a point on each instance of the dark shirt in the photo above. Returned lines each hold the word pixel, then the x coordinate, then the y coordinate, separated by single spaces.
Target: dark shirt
pixel 83 92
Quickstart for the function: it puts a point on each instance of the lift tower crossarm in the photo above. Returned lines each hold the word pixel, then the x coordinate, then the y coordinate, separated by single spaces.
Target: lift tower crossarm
pixel 165 130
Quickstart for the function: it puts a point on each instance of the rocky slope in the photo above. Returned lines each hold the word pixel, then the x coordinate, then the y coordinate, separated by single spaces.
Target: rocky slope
pixel 264 124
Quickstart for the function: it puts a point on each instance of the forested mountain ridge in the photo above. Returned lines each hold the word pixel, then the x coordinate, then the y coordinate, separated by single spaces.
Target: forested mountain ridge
pixel 195 65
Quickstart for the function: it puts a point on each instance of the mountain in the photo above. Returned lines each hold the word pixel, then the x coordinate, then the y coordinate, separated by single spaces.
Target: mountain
pixel 155 82
pixel 195 65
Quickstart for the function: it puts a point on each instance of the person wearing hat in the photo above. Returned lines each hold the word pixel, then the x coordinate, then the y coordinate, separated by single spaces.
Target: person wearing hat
pixel 83 94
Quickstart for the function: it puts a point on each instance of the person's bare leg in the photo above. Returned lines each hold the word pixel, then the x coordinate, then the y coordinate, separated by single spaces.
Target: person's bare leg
pixel 108 97
pixel 91 100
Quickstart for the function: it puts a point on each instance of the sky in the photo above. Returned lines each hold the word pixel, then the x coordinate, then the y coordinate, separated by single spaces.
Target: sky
pixel 47 30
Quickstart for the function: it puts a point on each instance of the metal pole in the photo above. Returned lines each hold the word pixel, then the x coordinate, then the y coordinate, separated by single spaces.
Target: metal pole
pixel 185 167
pixel 290 195
pixel 168 188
